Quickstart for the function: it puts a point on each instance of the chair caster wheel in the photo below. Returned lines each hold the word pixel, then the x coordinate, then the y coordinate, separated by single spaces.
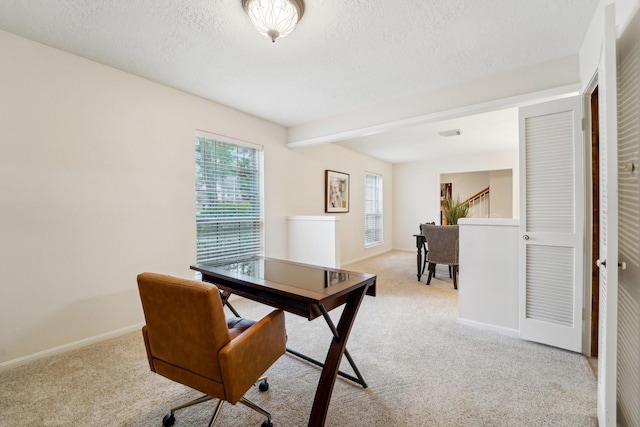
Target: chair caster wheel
pixel 263 386
pixel 168 420
pixel 267 423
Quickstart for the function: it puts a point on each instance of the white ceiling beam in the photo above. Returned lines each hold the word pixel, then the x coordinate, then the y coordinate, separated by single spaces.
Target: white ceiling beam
pixel 539 82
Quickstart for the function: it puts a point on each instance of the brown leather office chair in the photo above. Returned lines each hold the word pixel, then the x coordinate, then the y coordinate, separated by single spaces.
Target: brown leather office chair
pixel 189 340
pixel 442 241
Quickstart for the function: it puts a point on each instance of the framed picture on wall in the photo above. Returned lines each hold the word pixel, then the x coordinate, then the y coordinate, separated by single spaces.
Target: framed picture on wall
pixel 336 191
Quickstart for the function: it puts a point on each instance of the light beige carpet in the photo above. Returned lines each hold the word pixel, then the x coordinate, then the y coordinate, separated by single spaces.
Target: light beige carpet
pixel 423 369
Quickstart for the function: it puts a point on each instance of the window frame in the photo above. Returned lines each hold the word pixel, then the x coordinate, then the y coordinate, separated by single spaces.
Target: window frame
pixel 373 206
pixel 230 236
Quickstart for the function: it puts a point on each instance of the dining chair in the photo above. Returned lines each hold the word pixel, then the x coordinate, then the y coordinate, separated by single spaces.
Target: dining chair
pixel 442 241
pixel 425 247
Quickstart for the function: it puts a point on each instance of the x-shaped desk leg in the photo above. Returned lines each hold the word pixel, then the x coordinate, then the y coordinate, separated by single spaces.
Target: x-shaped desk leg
pixel 334 355
pixel 357 379
pixel 360 379
pixel 224 296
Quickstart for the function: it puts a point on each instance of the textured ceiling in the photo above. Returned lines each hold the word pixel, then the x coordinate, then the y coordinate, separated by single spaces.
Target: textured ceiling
pixel 344 56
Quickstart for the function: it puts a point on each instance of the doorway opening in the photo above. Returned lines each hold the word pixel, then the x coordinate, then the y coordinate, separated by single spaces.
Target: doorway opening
pixel 487 193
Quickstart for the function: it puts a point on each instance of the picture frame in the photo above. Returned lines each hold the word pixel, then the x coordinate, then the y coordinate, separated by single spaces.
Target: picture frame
pixel 336 192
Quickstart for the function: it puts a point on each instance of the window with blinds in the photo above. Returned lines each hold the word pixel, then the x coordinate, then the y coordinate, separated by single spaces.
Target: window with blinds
pixel 372 209
pixel 228 199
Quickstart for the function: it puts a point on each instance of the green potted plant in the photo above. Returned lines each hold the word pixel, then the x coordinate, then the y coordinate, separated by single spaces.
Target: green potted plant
pixel 454 209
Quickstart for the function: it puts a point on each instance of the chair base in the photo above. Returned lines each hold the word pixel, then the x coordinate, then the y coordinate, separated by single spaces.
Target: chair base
pixel 170 419
pixel 425 259
pixel 453 273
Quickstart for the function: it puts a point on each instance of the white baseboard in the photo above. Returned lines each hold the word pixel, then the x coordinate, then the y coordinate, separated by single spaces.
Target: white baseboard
pixel 488 327
pixel 412 250
pixel 70 346
pixel 353 261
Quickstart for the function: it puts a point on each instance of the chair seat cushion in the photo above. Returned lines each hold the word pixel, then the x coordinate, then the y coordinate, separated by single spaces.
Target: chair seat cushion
pixel 238 325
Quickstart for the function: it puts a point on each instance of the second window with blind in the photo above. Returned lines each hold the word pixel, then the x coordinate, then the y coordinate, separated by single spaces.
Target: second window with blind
pixel 372 209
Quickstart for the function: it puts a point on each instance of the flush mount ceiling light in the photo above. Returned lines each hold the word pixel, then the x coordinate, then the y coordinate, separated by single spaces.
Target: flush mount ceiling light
pixel 452 132
pixel 274 18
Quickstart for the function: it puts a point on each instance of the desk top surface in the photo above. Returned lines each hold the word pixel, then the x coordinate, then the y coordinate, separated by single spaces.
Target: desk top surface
pixel 275 275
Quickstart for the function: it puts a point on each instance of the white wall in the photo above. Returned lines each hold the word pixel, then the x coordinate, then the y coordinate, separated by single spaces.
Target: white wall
pixel 97 185
pixel 416 189
pixel 488 288
pixel 303 177
pixel 501 196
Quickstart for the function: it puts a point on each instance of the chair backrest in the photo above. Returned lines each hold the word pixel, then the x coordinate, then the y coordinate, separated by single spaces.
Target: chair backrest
pixel 426 223
pixel 442 241
pixel 185 325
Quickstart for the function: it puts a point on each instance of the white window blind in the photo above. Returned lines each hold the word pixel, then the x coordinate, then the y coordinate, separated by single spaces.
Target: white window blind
pixel 372 209
pixel 228 199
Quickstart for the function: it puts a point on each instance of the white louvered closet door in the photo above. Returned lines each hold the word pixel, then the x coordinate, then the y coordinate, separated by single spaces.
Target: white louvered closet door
pixel 628 345
pixel 552 223
pixel 608 276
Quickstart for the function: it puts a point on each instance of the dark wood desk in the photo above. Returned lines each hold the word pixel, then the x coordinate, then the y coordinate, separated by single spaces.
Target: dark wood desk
pixel 421 247
pixel 307 291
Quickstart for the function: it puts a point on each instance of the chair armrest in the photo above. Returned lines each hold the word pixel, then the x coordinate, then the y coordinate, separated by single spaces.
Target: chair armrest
pixel 245 358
